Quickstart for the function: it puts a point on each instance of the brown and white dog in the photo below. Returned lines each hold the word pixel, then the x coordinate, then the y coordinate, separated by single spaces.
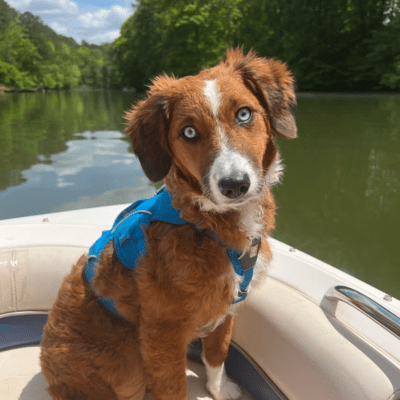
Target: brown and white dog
pixel 211 138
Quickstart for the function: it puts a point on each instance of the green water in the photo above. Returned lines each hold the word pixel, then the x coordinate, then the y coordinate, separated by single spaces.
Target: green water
pixel 339 200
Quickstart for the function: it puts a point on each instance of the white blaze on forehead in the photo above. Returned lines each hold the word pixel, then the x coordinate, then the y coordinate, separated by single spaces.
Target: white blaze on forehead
pixel 212 95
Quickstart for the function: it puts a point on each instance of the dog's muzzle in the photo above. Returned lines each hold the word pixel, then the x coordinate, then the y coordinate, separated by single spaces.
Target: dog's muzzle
pixel 231 179
pixel 235 185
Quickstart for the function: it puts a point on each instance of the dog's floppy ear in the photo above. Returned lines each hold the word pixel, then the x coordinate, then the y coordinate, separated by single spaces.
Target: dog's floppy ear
pixel 273 84
pixel 148 125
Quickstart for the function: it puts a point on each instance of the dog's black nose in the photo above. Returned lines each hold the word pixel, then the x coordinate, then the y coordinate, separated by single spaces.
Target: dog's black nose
pixel 234 185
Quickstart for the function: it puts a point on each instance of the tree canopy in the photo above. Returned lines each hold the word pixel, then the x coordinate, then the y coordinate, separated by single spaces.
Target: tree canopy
pixel 32 55
pixel 341 45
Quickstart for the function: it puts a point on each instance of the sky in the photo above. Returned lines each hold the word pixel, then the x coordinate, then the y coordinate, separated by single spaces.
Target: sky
pixel 95 21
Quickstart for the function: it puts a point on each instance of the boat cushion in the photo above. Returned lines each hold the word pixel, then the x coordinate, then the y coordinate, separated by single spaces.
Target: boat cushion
pixel 21 379
pixel 31 276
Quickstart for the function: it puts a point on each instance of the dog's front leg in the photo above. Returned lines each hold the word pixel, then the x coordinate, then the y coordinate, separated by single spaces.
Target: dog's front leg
pixel 215 350
pixel 164 349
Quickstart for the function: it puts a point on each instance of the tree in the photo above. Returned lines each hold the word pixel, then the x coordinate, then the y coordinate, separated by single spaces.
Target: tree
pixel 384 53
pixel 17 50
pixel 10 75
pixel 33 55
pixel 7 14
pixel 174 37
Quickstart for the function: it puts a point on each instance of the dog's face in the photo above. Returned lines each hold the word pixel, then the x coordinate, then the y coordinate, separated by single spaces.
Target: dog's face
pixel 217 128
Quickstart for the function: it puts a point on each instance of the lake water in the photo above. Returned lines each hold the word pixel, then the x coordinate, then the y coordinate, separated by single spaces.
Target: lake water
pixel 339 201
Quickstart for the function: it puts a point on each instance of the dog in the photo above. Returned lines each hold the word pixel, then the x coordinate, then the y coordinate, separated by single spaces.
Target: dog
pixel 211 138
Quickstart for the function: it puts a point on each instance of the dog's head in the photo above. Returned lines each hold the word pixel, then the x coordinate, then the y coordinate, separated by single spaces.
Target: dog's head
pixel 216 130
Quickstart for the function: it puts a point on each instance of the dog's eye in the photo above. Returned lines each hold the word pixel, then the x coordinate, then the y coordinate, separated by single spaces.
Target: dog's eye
pixel 244 115
pixel 190 133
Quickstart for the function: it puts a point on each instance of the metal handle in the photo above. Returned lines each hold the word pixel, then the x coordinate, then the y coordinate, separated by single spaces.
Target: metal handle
pixel 366 305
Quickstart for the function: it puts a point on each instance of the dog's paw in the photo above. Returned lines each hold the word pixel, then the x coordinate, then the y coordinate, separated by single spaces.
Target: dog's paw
pixel 220 386
pixel 226 391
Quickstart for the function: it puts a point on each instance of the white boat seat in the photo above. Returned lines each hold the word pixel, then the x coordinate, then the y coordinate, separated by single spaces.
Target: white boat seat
pixel 21 379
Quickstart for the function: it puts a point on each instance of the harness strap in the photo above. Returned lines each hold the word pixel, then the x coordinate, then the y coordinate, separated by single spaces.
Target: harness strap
pixel 130 244
pixel 90 272
pixel 243 264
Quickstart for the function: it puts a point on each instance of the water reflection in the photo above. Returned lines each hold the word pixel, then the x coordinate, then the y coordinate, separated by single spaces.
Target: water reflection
pixel 340 195
pixel 97 150
pixel 33 126
pixel 64 151
pixel 95 169
pixel 383 182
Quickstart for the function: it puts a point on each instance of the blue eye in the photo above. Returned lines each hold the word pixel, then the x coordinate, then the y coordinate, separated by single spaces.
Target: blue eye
pixel 190 133
pixel 244 115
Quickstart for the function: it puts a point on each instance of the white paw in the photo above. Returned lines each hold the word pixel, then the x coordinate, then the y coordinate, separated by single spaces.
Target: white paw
pixel 227 390
pixel 219 385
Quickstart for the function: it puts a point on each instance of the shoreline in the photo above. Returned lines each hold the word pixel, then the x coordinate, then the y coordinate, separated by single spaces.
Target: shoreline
pixel 310 93
pixel 351 93
pixel 4 89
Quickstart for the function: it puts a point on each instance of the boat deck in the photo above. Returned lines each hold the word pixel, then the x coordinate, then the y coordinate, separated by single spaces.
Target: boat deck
pixel 21 378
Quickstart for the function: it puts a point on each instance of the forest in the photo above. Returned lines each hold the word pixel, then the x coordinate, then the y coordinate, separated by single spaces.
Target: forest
pixel 32 55
pixel 340 45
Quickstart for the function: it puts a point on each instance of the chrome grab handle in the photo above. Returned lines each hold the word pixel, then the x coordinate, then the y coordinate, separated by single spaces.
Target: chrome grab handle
pixel 363 303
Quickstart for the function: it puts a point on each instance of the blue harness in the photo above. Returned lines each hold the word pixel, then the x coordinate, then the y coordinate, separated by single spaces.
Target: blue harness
pixel 130 242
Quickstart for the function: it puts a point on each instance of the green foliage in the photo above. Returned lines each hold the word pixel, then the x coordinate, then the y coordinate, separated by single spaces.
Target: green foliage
pixel 340 45
pixel 17 50
pixel 175 37
pixel 7 14
pixel 384 54
pixel 34 56
pixel 10 75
